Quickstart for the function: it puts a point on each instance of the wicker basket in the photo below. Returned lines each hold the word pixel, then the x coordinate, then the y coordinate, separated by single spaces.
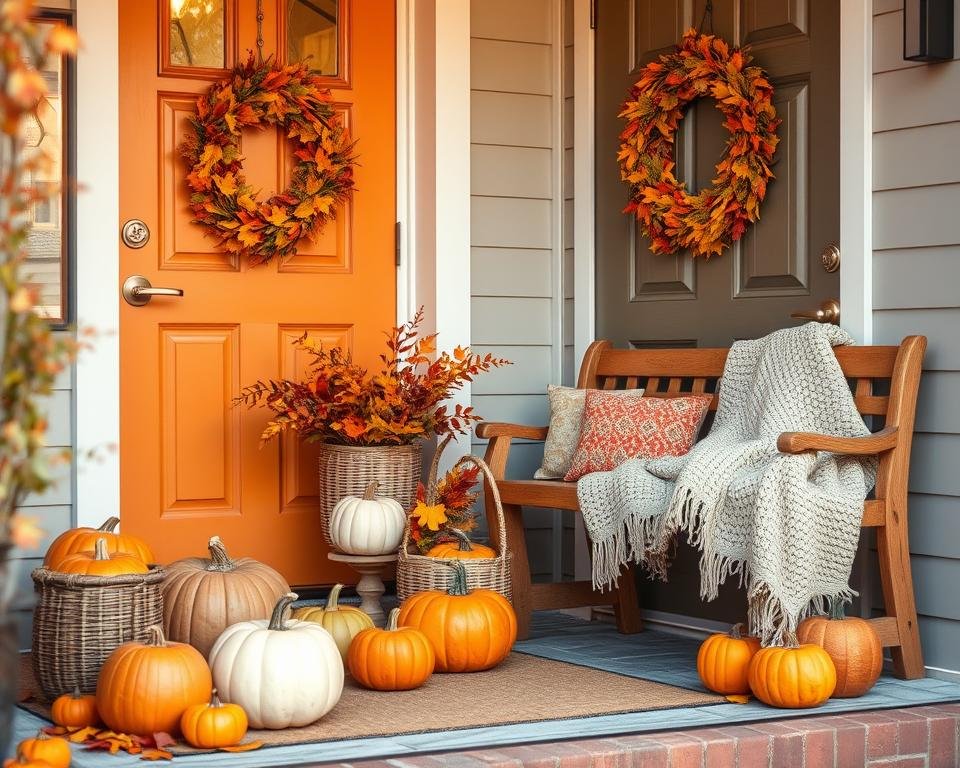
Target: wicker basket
pixel 347 470
pixel 419 573
pixel 80 620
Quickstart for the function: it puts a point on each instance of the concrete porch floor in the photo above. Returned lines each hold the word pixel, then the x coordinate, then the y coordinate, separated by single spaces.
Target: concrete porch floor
pixel 898 723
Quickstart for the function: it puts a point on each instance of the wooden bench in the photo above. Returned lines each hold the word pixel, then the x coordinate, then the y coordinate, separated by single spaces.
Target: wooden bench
pixel 872 371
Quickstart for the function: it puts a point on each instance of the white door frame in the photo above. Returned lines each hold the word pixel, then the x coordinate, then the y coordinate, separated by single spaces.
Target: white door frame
pixel 856 152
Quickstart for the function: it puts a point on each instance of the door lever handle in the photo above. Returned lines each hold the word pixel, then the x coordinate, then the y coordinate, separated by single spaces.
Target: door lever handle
pixel 137 291
pixel 829 312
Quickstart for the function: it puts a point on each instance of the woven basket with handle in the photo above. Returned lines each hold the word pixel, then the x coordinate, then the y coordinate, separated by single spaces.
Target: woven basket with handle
pixel 347 470
pixel 80 620
pixel 419 573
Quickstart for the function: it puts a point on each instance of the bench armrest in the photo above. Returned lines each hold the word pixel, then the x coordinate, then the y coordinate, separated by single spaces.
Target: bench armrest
pixel 801 442
pixel 491 429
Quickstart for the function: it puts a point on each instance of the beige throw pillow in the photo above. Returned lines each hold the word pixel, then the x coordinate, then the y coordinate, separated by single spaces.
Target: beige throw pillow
pixel 563 436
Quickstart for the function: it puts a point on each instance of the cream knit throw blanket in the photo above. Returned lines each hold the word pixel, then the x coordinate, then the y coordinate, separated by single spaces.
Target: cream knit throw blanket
pixel 787 526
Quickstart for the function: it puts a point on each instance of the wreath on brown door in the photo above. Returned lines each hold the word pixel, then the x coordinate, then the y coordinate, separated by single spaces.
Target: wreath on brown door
pixel 712 219
pixel 258 95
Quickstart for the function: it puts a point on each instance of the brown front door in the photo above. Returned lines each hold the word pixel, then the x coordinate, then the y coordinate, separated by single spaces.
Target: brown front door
pixel 191 463
pixel 647 299
pixel 654 300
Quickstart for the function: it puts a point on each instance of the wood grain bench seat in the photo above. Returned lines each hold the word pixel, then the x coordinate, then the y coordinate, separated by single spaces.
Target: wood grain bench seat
pixel 884 382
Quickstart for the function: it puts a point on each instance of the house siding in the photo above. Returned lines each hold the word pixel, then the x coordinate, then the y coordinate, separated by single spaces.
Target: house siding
pixel 518 191
pixel 916 268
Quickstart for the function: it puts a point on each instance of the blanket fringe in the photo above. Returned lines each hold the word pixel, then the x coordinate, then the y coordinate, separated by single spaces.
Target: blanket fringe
pixel 629 543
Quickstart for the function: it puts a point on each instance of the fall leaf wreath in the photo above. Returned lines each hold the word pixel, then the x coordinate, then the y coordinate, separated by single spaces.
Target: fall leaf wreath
pixel 714 218
pixel 262 94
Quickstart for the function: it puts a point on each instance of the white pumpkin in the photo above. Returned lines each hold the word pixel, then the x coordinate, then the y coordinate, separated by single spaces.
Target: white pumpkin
pixel 367 525
pixel 284 674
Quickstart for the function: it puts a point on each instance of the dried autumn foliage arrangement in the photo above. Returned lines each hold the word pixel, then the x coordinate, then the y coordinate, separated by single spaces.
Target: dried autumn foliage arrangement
pixel 31 355
pixel 446 504
pixel 340 402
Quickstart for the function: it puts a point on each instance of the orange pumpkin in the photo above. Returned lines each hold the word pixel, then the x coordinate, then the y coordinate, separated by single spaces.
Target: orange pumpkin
pixel 469 631
pixel 214 724
pixel 45 749
pixel 84 539
pixel 792 678
pixel 146 687
pixel 100 562
pixel 853 645
pixel 391 659
pixel 75 710
pixel 461 548
pixel 723 661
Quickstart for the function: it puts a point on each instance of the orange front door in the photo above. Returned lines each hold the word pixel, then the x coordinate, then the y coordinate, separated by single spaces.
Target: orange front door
pixel 191 464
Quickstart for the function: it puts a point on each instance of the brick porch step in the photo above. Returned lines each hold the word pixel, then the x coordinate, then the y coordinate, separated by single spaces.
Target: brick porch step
pixel 915 737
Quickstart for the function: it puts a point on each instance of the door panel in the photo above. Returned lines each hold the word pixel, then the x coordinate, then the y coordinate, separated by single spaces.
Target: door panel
pixel 751 289
pixel 191 463
pixel 774 270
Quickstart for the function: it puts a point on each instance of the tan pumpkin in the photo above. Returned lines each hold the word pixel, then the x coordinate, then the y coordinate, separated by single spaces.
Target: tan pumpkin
pixel 42 748
pixel 145 688
pixel 723 661
pixel 203 596
pixel 470 630
pixel 461 548
pixel 853 645
pixel 75 710
pixel 792 678
pixel 344 622
pixel 391 659
pixel 100 562
pixel 85 539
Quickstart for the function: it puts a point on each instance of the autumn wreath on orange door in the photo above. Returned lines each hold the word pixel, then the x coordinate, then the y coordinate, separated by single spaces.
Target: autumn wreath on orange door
pixel 709 221
pixel 260 94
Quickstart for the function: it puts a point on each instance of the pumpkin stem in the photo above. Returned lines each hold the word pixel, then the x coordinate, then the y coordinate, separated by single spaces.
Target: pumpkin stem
pixel 736 631
pixel 333 599
pixel 790 640
pixel 215 699
pixel 465 544
pixel 42 735
pixel 836 609
pixel 458 584
pixel 109 524
pixel 77 694
pixel 392 620
pixel 219 559
pixel 276 620
pixel 155 637
pixel 371 492
pixel 100 550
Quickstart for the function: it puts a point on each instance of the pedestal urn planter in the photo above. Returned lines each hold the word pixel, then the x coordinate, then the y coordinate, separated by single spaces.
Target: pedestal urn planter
pixel 347 470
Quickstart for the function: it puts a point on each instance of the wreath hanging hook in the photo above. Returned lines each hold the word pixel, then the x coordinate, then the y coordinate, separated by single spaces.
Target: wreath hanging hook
pixel 260 31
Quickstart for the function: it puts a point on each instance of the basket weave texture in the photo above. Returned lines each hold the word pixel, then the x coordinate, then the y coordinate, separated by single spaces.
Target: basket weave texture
pixel 80 620
pixel 419 573
pixel 347 470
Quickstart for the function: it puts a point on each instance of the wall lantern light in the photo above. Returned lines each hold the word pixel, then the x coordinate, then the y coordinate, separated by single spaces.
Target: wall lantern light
pixel 928 30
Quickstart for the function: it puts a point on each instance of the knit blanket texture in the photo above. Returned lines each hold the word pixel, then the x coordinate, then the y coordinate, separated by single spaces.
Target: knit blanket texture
pixel 786 525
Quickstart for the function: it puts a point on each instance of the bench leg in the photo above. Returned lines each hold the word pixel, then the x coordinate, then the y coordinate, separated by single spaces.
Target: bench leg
pixel 520 574
pixel 626 605
pixel 897 581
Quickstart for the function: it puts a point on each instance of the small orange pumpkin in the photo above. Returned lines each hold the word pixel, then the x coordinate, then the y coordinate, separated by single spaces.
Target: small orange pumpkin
pixel 391 659
pixel 469 631
pixel 45 749
pixel 853 645
pixel 792 678
pixel 75 710
pixel 723 661
pixel 84 539
pixel 461 548
pixel 214 725
pixel 146 687
pixel 100 562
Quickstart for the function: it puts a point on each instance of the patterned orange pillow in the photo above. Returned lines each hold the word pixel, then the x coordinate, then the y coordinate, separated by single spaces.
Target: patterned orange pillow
pixel 615 429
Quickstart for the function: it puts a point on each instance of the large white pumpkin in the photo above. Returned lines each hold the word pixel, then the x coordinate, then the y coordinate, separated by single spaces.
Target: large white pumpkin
pixel 284 674
pixel 367 525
